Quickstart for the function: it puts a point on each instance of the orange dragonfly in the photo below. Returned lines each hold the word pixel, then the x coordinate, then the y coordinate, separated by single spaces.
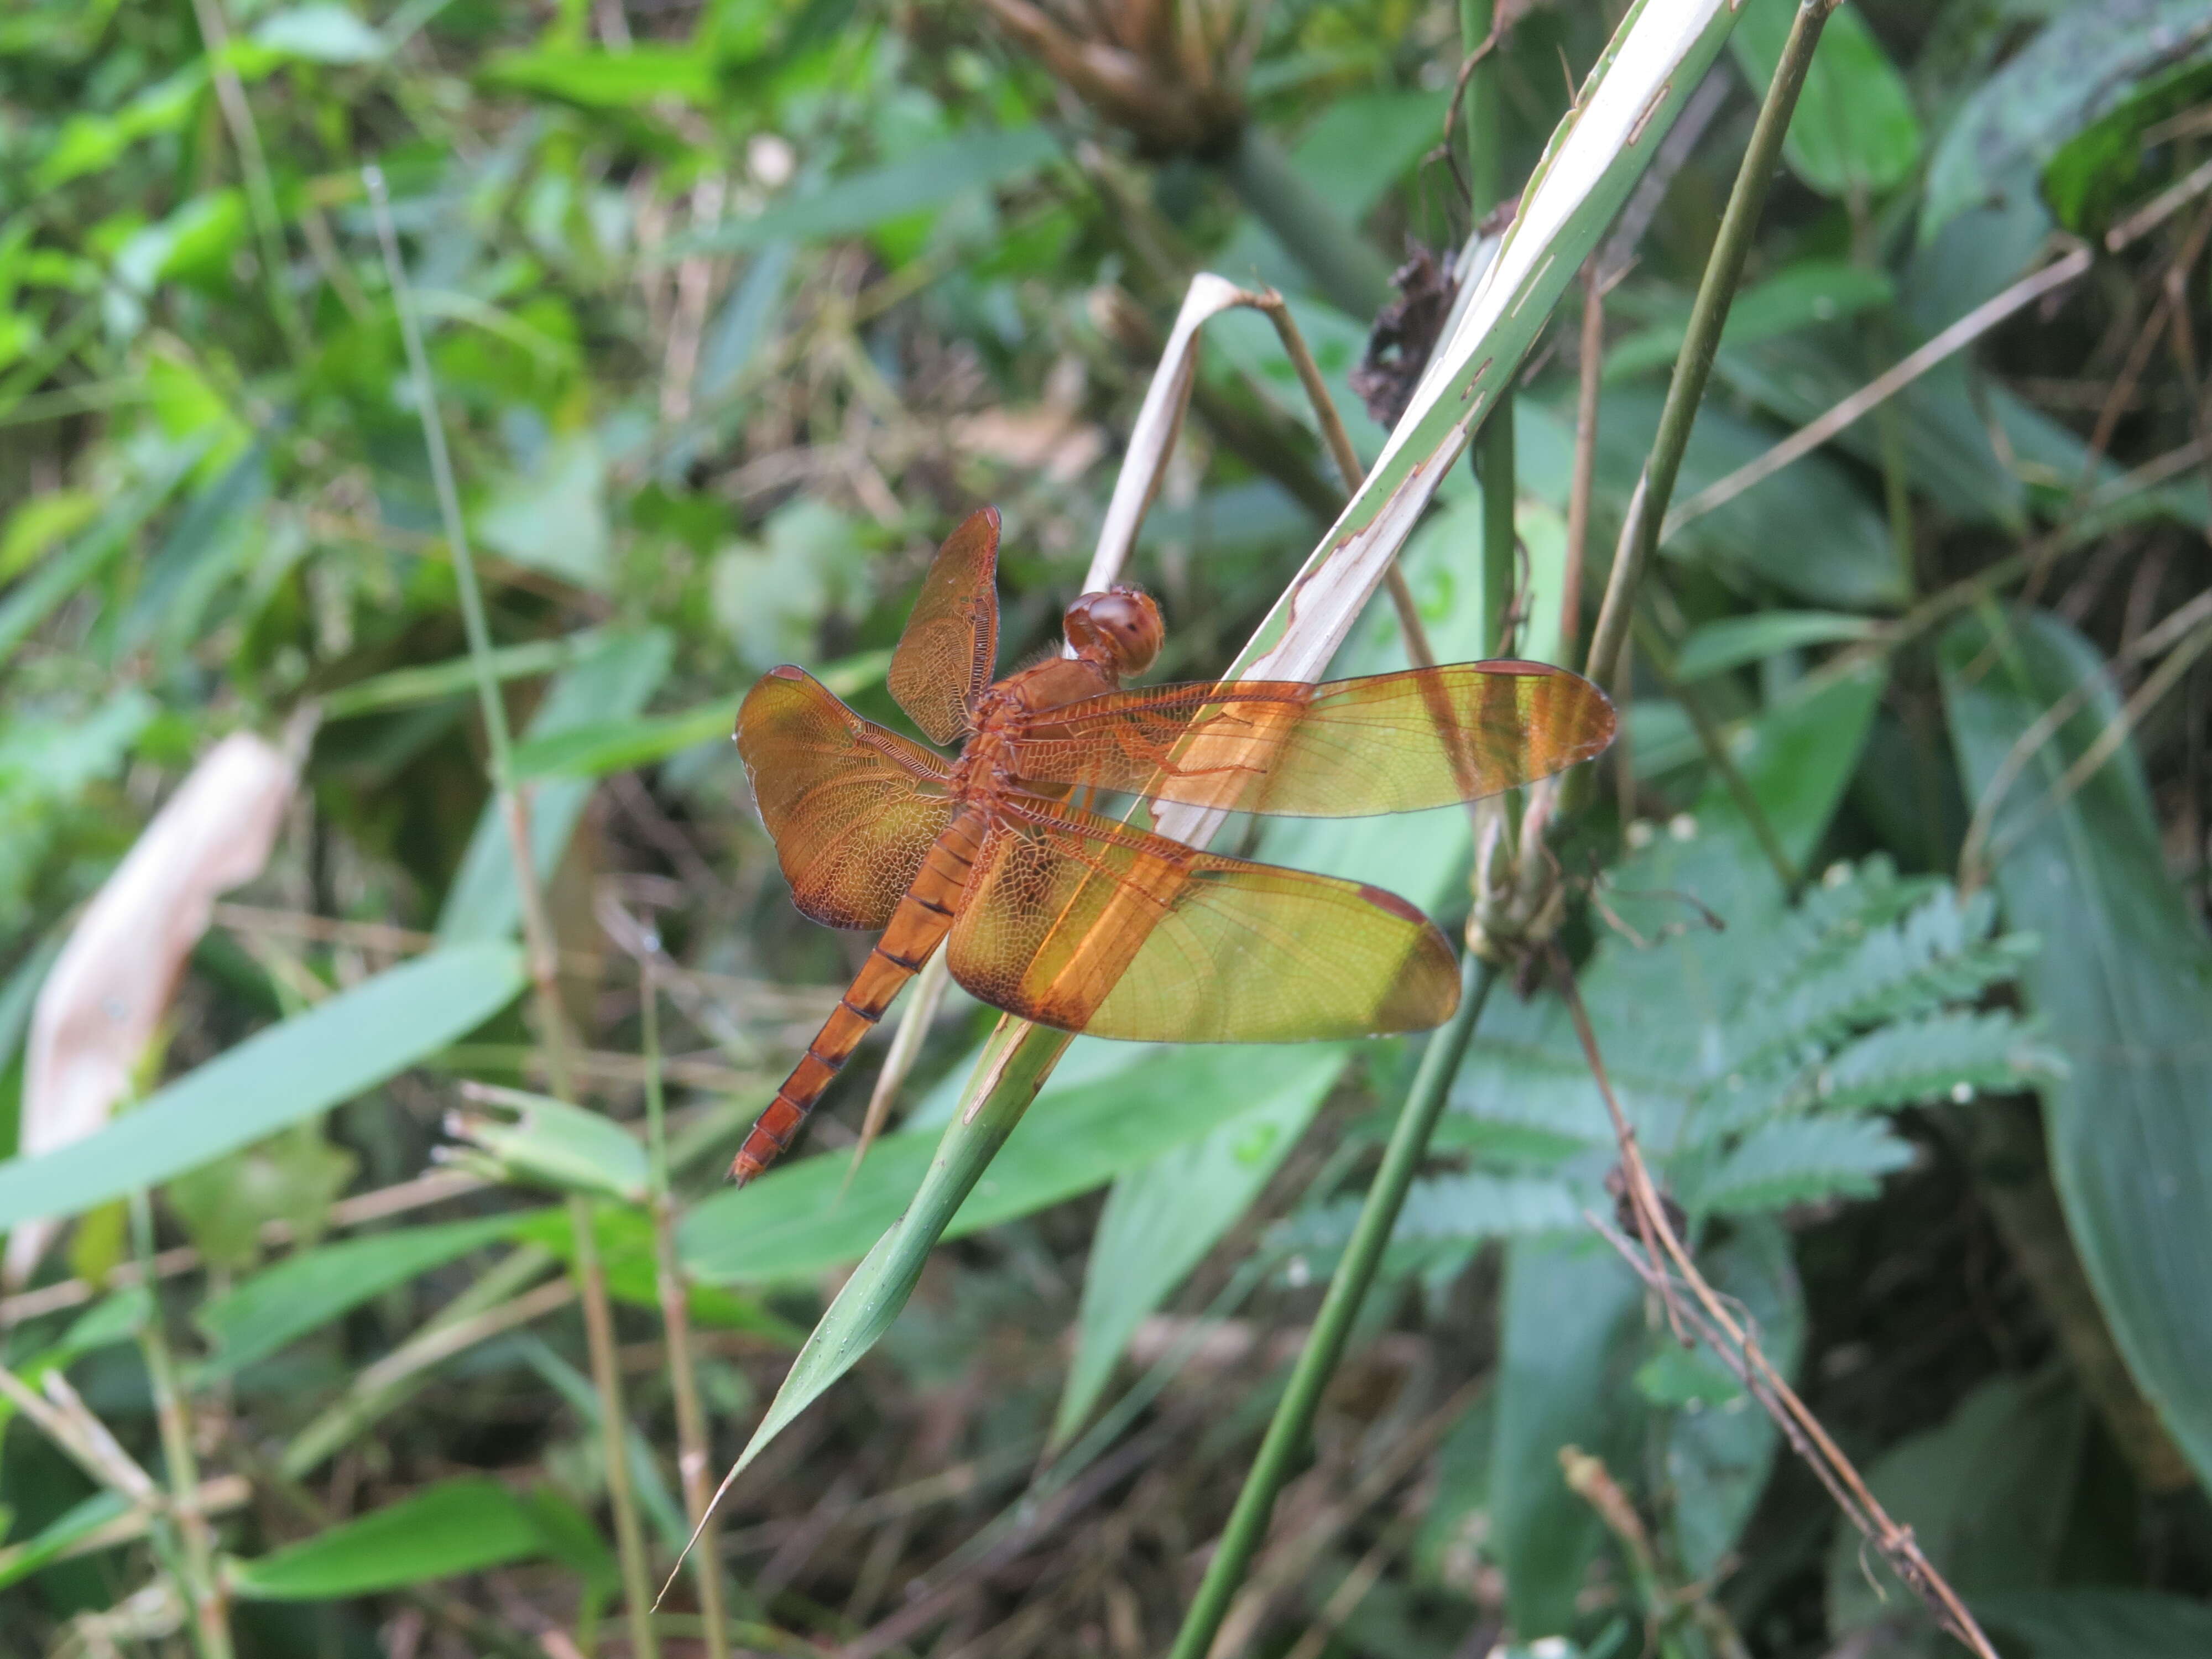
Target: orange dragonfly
pixel 1082 922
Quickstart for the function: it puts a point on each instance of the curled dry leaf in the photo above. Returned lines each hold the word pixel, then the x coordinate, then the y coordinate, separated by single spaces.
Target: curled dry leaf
pixel 101 1005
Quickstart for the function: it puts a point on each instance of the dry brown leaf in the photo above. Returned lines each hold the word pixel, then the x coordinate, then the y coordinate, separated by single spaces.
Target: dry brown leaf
pixel 103 1002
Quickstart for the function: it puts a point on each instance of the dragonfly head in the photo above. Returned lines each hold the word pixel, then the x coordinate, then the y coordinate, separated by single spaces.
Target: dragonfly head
pixel 1119 628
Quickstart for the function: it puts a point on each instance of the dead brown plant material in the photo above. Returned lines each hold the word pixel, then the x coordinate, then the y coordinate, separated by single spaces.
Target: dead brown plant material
pixel 100 1009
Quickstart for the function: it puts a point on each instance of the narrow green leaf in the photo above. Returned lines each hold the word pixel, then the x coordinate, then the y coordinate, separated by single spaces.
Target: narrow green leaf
pixel 405 688
pixel 927 178
pixel 605 746
pixel 34 598
pixel 1735 641
pixel 792 1223
pixel 634 78
pixel 1636 90
pixel 871 1298
pixel 306 1064
pixel 442 1532
pixel 484 901
pixel 56 1539
pixel 2124 991
pixel 306 1292
pixel 1160 1220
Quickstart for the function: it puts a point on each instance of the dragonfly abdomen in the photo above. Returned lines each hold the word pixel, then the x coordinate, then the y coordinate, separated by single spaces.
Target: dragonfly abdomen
pixel 918 925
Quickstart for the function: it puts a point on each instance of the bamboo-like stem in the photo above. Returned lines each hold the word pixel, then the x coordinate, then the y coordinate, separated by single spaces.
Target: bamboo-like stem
pixel 1345 267
pixel 203 1582
pixel 1292 1424
pixel 606 1382
pixel 537 933
pixel 1647 507
pixel 691 1446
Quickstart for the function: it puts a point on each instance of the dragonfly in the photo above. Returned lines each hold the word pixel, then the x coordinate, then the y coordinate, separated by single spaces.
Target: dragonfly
pixel 1069 919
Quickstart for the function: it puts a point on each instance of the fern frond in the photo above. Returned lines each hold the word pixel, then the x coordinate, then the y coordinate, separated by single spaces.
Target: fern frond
pixel 1943 1056
pixel 1941 952
pixel 1798 1160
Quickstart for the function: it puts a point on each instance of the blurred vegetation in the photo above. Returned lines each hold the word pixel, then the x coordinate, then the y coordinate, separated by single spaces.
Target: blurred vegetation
pixel 733 308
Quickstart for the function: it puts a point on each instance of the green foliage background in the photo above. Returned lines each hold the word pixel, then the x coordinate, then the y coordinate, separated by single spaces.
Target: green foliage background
pixel 733 308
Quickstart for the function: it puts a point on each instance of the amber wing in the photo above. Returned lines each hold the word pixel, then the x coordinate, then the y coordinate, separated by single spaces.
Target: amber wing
pixel 1074 920
pixel 951 646
pixel 853 807
pixel 1384 743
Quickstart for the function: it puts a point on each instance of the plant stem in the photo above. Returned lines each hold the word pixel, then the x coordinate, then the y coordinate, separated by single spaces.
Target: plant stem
pixel 203 1583
pixel 691 1446
pixel 1292 1424
pixel 1346 268
pixel 606 1380
pixel 253 163
pixel 1647 507
pixel 538 931
pixel 1715 744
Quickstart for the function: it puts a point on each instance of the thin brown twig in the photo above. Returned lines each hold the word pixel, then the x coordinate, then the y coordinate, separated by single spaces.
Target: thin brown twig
pixel 1766 1384
pixel 1814 433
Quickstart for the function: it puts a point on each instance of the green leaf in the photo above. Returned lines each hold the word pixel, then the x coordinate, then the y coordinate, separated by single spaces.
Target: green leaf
pixel 1718 1453
pixel 632 79
pixel 322 33
pixel 2100 1624
pixel 1809 530
pixel 1734 642
pixel 453 1527
pixel 2095 173
pixel 294 1176
pixel 1807 294
pixel 2124 992
pixel 1567 1341
pixel 539 1139
pixel 1799 1159
pixel 2086 61
pixel 310 1288
pixel 927 178
pixel 34 598
pixel 484 901
pixel 871 1297
pixel 1986 1494
pixel 605 746
pixel 1161 1220
pixel 553 517
pixel 1854 128
pixel 406 687
pixel 306 1064
pixel 792 1224
pixel 60 1535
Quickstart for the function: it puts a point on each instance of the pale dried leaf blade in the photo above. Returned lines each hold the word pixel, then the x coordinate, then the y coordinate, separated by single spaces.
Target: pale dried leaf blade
pixel 102 1004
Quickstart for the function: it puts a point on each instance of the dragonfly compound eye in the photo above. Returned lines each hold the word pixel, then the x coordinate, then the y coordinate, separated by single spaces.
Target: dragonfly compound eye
pixel 1120 625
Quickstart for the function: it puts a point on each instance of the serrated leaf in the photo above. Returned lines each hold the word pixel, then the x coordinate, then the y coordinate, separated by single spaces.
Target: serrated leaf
pixel 1798 1160
pixel 1946 1056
